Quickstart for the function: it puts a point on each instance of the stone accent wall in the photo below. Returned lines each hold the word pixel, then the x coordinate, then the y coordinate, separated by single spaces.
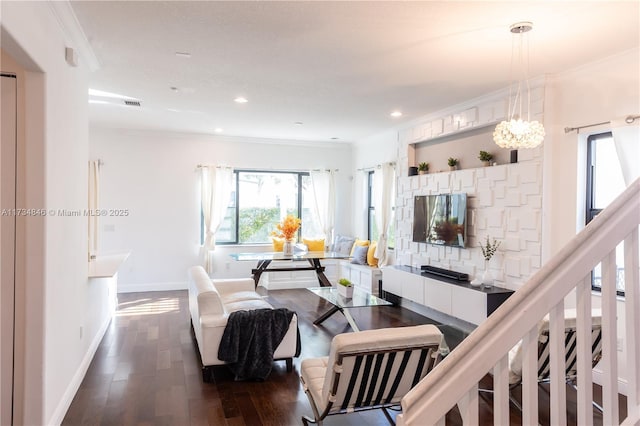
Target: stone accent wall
pixel 504 201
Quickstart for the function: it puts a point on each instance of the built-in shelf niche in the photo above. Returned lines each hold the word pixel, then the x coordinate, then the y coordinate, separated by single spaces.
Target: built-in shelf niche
pixel 465 146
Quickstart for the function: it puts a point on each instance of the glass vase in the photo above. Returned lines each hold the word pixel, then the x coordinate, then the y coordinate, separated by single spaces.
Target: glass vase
pixel 487 276
pixel 287 247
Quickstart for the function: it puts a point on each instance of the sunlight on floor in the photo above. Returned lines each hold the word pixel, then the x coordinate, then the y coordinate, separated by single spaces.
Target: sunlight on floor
pixel 148 307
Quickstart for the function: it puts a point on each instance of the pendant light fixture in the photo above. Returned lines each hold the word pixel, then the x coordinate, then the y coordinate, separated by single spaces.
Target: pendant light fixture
pixel 517 132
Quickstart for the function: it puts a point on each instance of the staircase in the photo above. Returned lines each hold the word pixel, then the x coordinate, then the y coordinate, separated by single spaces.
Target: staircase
pixel 455 380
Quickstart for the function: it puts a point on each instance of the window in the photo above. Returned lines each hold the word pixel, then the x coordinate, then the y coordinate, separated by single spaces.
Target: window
pixel 372 229
pixel 260 199
pixel 604 184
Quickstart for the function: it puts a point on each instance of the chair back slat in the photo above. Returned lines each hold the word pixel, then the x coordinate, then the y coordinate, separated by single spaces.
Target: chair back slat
pixel 570 352
pixel 369 380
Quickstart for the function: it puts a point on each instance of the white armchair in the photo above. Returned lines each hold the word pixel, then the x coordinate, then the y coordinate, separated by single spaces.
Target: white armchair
pixel 370 369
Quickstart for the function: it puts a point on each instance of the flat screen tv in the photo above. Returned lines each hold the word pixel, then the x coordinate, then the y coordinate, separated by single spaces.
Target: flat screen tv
pixel 440 219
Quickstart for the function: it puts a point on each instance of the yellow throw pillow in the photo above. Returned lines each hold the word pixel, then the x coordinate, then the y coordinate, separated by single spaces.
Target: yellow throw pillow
pixel 371 259
pixel 314 245
pixel 277 243
pixel 363 243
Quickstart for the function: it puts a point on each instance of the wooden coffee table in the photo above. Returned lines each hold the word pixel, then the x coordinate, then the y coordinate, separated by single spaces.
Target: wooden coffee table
pixel 360 299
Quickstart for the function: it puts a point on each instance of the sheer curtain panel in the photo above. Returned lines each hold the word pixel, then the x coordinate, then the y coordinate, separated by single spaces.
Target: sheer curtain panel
pixel 324 194
pixel 94 205
pixel 626 137
pixel 383 182
pixel 215 184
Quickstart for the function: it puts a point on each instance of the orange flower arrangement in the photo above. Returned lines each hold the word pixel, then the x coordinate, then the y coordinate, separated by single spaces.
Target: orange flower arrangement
pixel 287 228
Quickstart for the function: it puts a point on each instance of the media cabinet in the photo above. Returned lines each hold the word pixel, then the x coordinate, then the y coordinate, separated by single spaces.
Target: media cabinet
pixel 458 299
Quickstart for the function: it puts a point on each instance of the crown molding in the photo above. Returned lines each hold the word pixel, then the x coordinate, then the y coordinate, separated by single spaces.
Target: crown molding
pixel 74 34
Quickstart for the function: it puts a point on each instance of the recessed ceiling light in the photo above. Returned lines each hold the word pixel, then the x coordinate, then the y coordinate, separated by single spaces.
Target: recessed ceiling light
pixel 240 100
pixel 298 123
pixel 218 130
pixel 396 114
pixel 334 138
pixel 174 89
pixel 183 54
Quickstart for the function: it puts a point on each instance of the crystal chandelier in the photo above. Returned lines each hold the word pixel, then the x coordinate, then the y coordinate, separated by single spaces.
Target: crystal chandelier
pixel 515 132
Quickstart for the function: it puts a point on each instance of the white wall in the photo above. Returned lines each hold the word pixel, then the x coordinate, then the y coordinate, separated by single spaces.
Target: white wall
pixel 62 313
pixel 367 154
pixel 593 93
pixel 154 176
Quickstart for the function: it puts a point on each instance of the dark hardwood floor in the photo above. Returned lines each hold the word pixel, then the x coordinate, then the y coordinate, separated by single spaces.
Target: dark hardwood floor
pixel 146 370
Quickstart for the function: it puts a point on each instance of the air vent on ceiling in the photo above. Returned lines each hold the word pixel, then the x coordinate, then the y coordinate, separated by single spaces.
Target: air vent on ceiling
pixel 131 103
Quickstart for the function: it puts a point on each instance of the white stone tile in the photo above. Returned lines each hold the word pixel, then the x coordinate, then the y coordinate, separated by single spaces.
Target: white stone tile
pixel 442 182
pixel 496 173
pixel 456 184
pixel 535 261
pixel 532 188
pixel 512 199
pixel 511 244
pixel 499 190
pixel 512 266
pixel 513 224
pixel 530 235
pixel 485 198
pixel 513 180
pixel 525 266
pixel 467 177
pixel 529 172
pixel 529 219
pixel 534 201
pixel 495 218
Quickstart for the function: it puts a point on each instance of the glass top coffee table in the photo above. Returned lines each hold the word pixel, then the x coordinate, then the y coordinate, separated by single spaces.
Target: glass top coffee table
pixel 360 299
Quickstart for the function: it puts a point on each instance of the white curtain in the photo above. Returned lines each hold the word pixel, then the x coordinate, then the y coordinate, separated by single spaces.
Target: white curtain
pixel 383 185
pixel 324 195
pixel 626 137
pixel 94 205
pixel 215 184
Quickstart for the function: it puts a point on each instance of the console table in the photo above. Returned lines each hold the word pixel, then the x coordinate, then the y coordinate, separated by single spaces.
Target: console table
pixel 313 257
pixel 458 299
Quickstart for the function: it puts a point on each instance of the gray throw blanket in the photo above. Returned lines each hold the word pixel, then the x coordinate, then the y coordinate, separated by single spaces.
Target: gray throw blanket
pixel 250 339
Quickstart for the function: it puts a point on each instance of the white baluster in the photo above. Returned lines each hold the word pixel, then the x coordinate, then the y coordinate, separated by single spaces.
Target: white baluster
pixel 632 317
pixel 501 391
pixel 609 340
pixel 558 398
pixel 583 348
pixel 530 377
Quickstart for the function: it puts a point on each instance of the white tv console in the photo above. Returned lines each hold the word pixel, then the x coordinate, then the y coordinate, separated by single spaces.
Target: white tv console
pixel 457 299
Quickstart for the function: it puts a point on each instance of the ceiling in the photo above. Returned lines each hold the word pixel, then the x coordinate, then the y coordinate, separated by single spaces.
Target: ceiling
pixel 339 68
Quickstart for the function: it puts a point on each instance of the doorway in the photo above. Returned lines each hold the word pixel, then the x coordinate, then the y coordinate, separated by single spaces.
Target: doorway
pixel 8 215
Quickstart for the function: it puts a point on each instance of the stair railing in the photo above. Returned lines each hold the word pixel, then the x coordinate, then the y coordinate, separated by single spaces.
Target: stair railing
pixel 455 379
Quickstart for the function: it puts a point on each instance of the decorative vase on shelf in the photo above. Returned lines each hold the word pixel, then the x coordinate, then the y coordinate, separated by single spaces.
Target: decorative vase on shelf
pixel 287 247
pixel 487 276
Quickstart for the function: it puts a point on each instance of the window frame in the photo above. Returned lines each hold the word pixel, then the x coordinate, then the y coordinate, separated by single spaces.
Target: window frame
pixel 590 210
pixel 236 172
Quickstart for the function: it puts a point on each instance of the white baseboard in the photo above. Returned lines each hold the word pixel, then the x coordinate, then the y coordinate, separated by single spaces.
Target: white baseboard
pixel 598 378
pixel 76 381
pixel 133 288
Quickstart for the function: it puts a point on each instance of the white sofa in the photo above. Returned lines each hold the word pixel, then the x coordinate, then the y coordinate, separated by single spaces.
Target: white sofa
pixel 210 303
